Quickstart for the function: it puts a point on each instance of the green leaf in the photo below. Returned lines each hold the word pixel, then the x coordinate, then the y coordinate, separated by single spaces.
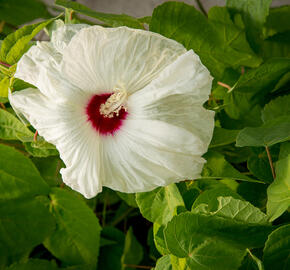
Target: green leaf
pixel 215 46
pixel 210 196
pixel 252 87
pixel 133 251
pixel 11 128
pixel 158 233
pixel 217 167
pixel 24 224
pixel 276 251
pixel 17 43
pixel 16 13
pixel 279 190
pixel 163 263
pixel 113 20
pixel 4 85
pixel 19 177
pixel 254 14
pixel 38 151
pixel 277 21
pixel 223 137
pixel 76 239
pixel 111 254
pixel 258 165
pixel 159 205
pixel 34 264
pixel 277 107
pixel 208 240
pixel 129 198
pixel 270 133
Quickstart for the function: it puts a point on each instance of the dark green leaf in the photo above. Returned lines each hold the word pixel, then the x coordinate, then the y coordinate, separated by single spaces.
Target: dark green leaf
pixel 276 107
pixel 11 128
pixel 252 87
pixel 217 167
pixel 34 264
pixel 223 136
pixel 254 13
pixel 24 224
pixel 276 251
pixel 76 239
pixel 279 190
pixel 111 254
pixel 159 205
pixel 133 251
pixel 158 233
pixel 277 21
pixel 216 48
pixel 270 133
pixel 19 176
pixel 15 12
pixel 129 198
pixel 113 20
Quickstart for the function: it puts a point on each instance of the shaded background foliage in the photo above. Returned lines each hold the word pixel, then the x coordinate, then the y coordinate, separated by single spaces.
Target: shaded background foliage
pixel 234 217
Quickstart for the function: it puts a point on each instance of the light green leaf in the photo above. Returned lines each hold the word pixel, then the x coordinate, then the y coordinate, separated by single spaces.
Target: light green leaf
pixel 217 167
pixel 270 133
pixel 159 205
pixel 279 190
pixel 133 251
pixel 34 264
pixel 207 241
pixel 17 43
pixel 16 13
pixel 254 13
pixel 276 251
pixel 277 107
pixel 76 239
pixel 11 128
pixel 216 48
pixel 158 233
pixel 4 85
pixel 210 196
pixel 113 20
pixel 163 263
pixel 38 151
pixel 252 87
pixel 24 224
pixel 223 137
pixel 19 177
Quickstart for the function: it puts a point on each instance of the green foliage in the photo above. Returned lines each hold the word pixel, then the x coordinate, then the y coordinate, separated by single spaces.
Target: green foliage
pixel 15 12
pixel 223 220
pixel 113 20
pixel 76 238
pixel 276 251
pixel 217 48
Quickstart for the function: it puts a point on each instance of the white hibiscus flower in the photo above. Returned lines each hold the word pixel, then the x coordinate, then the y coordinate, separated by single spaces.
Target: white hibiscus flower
pixel 122 106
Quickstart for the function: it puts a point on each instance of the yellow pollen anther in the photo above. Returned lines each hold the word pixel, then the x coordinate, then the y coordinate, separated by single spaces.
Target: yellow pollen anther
pixel 114 103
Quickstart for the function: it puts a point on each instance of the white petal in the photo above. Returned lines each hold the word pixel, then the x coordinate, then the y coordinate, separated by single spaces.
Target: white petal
pixel 67 128
pixel 62 36
pixel 176 97
pixel 147 154
pixel 99 59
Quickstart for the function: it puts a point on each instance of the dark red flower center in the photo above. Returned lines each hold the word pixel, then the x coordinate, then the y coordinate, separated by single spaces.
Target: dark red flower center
pixel 101 123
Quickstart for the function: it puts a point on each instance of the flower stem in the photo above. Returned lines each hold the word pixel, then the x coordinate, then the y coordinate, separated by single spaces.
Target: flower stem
pixel 271 162
pixel 224 85
pixel 5 64
pixel 202 9
pixel 35 136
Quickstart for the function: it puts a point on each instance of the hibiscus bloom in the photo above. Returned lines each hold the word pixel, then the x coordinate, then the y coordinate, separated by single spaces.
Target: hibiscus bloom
pixel 124 107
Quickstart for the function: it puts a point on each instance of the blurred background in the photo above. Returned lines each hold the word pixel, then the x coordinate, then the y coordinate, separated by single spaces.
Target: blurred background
pixel 141 8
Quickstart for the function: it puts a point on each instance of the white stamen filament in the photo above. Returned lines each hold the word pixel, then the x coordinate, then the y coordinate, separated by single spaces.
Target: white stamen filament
pixel 114 103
